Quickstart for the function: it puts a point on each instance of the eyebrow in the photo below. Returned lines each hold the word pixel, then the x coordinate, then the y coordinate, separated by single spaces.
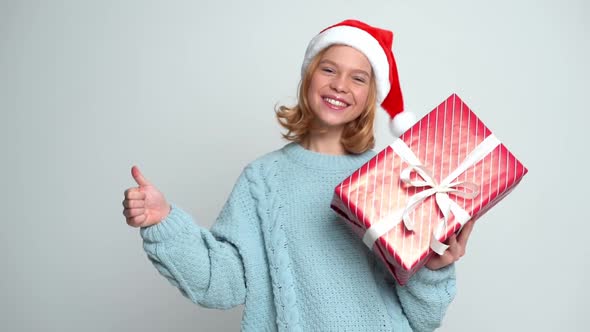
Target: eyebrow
pixel 324 61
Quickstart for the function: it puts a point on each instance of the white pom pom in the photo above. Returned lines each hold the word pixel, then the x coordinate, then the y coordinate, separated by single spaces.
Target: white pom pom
pixel 401 123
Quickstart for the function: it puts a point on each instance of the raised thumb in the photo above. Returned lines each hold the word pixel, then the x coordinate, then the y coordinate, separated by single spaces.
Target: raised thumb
pixel 138 177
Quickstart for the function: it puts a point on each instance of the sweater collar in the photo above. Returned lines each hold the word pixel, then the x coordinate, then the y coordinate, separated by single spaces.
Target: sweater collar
pixel 314 160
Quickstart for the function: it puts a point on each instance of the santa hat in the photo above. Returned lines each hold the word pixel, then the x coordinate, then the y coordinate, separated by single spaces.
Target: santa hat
pixel 376 45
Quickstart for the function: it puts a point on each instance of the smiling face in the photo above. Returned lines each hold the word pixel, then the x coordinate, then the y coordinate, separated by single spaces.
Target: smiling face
pixel 339 87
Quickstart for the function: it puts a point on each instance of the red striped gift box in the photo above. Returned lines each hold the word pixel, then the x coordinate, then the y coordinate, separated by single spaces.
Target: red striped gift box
pixel 407 200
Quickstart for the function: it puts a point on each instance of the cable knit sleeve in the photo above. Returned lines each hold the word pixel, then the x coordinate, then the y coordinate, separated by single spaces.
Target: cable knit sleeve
pixel 208 267
pixel 426 296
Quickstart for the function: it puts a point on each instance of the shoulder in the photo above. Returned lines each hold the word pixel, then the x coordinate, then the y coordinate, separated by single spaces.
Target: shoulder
pixel 260 169
pixel 267 161
pixel 273 156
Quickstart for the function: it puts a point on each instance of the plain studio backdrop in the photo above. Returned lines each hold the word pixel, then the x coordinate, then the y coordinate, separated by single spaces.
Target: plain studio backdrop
pixel 187 90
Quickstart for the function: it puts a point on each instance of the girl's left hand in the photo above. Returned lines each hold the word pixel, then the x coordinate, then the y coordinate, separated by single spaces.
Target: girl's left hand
pixel 456 250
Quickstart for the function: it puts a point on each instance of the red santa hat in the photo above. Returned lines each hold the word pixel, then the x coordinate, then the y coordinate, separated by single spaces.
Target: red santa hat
pixel 375 44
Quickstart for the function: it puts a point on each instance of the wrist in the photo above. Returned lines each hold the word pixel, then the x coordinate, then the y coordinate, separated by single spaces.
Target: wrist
pixel 167 228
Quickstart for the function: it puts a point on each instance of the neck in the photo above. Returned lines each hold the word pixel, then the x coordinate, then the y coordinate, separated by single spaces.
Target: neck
pixel 326 143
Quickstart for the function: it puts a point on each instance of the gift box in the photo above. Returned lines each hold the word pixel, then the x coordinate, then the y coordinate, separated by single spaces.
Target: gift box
pixel 447 169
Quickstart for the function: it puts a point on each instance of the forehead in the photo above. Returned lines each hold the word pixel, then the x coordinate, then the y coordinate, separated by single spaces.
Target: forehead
pixel 347 56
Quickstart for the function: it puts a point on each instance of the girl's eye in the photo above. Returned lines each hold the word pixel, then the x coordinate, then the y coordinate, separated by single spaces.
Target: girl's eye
pixel 360 79
pixel 327 70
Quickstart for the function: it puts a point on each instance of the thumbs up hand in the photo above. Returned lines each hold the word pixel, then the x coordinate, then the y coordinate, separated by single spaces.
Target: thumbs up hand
pixel 144 205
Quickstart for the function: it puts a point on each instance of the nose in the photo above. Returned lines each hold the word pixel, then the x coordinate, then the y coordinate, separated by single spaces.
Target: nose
pixel 339 84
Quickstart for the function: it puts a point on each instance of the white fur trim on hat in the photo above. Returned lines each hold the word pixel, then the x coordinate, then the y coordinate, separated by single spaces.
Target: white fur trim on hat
pixel 401 123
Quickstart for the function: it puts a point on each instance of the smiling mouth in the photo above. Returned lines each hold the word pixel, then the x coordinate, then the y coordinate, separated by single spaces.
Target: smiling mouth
pixel 335 102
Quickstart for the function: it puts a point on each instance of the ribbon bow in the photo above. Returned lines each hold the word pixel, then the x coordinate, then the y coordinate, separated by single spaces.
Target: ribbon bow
pixel 468 190
pixel 465 189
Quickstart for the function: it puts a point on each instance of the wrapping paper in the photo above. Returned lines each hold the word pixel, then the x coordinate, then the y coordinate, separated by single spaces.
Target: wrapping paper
pixel 416 202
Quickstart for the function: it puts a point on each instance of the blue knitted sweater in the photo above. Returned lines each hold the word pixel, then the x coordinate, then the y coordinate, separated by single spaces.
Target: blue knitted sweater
pixel 279 249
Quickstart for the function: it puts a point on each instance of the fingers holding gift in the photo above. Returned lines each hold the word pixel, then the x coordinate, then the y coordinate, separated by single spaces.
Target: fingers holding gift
pixel 454 250
pixel 463 236
pixel 439 261
pixel 457 247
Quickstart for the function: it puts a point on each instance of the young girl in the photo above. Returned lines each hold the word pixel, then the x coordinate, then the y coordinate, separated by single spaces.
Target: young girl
pixel 277 247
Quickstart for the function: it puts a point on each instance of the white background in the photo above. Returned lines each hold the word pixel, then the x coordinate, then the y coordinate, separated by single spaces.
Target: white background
pixel 186 90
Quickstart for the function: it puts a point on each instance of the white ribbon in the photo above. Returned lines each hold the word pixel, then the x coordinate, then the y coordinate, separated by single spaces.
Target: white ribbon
pixel 440 190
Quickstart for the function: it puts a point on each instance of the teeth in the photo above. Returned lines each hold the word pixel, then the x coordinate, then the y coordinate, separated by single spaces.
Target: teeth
pixel 335 102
